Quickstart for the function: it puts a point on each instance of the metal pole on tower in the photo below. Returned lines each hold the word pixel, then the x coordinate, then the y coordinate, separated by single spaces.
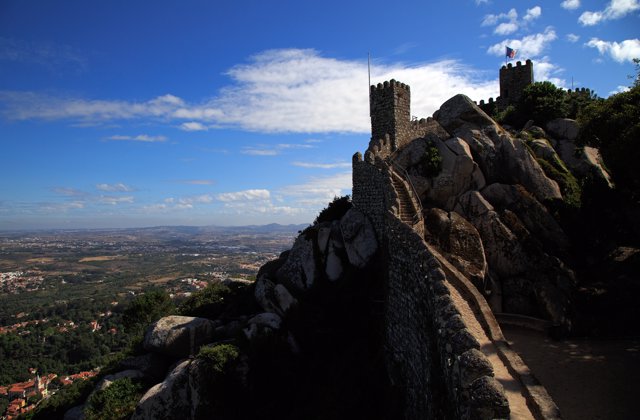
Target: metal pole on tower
pixel 369 73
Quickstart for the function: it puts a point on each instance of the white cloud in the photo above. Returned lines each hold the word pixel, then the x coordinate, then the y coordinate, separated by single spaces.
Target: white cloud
pixel 619 89
pixel 119 187
pixel 198 199
pixel 259 152
pixel 69 192
pixel 626 50
pixel 506 28
pixel 289 90
pixel 246 195
pixel 616 9
pixel 274 150
pixel 545 70
pixel 528 47
pixel 570 4
pixel 193 126
pixel 141 137
pixel 318 191
pixel 479 2
pixel 115 200
pixel 322 165
pixel 533 13
pixel 573 37
pixel 59 207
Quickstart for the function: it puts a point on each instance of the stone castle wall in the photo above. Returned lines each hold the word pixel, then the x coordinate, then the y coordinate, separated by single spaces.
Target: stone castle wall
pixel 513 81
pixel 430 354
pixel 391 123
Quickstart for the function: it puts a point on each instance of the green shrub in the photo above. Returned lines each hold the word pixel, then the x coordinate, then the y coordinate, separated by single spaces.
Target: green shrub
pixel 218 359
pixel 208 302
pixel 147 308
pixel 335 210
pixel 431 161
pixel 118 401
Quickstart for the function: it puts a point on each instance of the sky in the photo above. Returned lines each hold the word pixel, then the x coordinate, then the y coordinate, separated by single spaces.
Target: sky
pixel 145 113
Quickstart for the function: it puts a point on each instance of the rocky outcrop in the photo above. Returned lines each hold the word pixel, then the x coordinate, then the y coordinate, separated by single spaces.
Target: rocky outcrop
pixel 359 238
pixel 178 336
pixel 178 396
pixel 582 161
pixel 460 242
pixel 501 157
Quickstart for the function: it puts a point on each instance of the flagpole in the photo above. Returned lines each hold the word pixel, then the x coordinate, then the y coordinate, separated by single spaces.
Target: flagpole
pixel 369 73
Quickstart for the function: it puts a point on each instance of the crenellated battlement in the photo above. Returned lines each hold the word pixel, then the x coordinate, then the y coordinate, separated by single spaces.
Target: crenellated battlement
pixel 391 123
pixel 513 81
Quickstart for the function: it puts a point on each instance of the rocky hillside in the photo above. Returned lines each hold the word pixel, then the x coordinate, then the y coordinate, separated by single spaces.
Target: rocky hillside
pixel 305 340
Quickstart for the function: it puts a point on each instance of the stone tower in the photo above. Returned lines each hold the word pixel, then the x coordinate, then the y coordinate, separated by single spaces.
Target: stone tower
pixel 390 114
pixel 513 80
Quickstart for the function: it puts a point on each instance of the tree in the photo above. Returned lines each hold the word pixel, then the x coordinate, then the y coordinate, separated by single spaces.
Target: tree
pixel 118 401
pixel 613 125
pixel 147 308
pixel 543 102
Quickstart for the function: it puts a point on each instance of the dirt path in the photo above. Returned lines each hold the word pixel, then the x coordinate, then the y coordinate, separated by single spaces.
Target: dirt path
pixel 512 387
pixel 588 379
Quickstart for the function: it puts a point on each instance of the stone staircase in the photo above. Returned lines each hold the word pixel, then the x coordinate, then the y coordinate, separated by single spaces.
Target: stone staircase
pixel 406 211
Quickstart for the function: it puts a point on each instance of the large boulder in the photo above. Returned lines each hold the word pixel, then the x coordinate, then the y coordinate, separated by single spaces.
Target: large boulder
pixel 154 366
pixel 533 215
pixel 563 128
pixel 458 172
pixel 359 238
pixel 501 157
pixel 177 397
pixel 582 161
pixel 504 253
pixel 300 272
pixel 459 241
pixel 178 336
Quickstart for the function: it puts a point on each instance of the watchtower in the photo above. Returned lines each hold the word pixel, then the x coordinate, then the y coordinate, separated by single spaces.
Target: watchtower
pixel 389 104
pixel 513 81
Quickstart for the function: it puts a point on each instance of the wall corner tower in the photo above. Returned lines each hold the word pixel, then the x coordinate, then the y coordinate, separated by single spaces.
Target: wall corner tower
pixel 389 105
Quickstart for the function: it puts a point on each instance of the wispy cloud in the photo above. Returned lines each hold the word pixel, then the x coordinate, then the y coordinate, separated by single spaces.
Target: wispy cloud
pixel 570 4
pixel 287 90
pixel 529 46
pixel 55 57
pixel 318 191
pixel 193 126
pixel 69 192
pixel 616 9
pixel 246 195
pixel 275 150
pixel 314 165
pixel 508 23
pixel 626 50
pixel 119 187
pixel 145 138
pixel 573 38
pixel 112 200
pixel 259 152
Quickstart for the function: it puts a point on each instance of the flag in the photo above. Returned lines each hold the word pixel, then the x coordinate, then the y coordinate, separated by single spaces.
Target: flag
pixel 511 53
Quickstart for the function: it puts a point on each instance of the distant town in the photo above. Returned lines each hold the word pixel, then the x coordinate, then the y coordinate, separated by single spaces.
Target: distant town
pixel 63 292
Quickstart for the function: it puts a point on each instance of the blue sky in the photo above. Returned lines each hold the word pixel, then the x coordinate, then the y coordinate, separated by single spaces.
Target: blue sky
pixel 142 113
